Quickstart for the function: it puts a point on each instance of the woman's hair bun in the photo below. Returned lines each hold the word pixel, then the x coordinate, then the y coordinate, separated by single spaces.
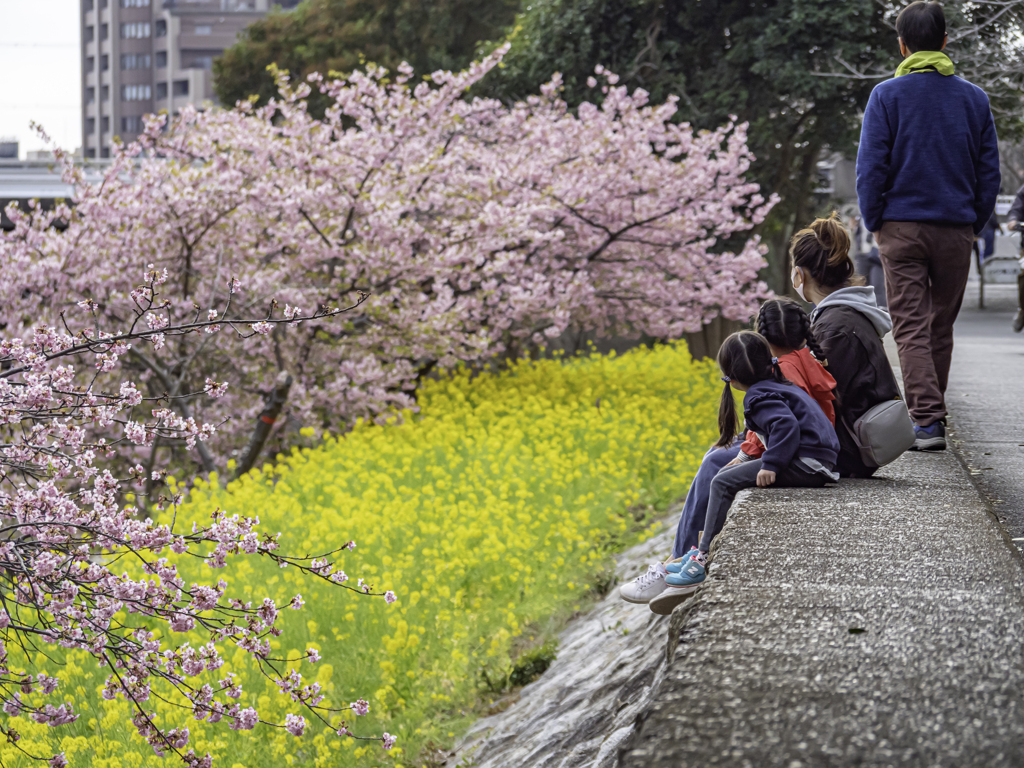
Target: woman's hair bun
pixel 823 249
pixel 833 237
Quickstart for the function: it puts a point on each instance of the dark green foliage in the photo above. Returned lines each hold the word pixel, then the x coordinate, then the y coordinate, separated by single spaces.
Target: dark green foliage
pixel 340 35
pixel 799 71
pixel 759 61
pixel 528 667
pixel 532 664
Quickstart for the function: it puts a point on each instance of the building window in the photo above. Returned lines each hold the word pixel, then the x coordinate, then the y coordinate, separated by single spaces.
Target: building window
pixel 136 92
pixel 196 62
pixel 90 95
pixel 181 87
pixel 161 59
pixel 131 124
pixel 204 29
pixel 135 3
pixel 90 63
pixel 87 5
pixel 104 31
pixel 90 33
pixel 138 29
pixel 105 93
pixel 135 61
pixel 105 125
pixel 105 152
pixel 103 4
pixel 104 63
pixel 160 28
pixel 90 125
pixel 90 152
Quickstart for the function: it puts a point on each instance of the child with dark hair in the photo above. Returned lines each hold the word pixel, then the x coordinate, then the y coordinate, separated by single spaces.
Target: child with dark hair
pixel 787 327
pixel 801 447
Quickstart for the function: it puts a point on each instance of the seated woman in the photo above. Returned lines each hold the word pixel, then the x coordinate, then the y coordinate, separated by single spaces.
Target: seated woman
pixel 848 325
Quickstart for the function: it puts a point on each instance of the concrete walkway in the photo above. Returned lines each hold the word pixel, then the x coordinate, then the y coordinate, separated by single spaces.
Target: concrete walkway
pixel 877 623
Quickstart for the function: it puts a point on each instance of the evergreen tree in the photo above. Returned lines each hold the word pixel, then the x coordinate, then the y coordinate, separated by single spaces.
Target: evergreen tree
pixel 799 71
pixel 340 35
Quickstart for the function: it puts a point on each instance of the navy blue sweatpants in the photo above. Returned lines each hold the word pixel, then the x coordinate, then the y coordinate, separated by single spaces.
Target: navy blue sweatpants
pixel 695 510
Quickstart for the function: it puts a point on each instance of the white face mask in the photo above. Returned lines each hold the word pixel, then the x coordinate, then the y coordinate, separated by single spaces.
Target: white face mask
pixel 799 288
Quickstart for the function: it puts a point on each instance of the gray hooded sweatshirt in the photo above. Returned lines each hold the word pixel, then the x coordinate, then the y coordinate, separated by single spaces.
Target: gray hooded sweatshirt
pixel 862 299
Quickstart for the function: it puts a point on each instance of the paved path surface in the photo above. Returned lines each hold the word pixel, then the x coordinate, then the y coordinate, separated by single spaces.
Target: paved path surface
pixel 877 623
pixel 986 400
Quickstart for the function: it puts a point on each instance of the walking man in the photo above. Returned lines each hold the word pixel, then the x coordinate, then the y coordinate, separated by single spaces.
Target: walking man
pixel 927 180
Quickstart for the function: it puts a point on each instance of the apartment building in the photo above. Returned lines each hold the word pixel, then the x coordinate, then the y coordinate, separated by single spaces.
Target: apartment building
pixel 141 56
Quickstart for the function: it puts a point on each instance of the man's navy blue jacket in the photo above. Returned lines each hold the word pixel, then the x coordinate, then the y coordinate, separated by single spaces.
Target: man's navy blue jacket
pixel 792 424
pixel 927 153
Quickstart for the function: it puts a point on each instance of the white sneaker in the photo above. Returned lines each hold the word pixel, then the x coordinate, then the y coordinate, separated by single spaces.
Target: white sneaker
pixel 643 588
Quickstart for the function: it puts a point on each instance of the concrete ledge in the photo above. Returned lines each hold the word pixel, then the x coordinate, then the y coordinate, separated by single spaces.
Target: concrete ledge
pixel 876 623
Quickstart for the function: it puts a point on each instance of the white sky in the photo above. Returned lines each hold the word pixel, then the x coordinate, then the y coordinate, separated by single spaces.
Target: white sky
pixel 42 79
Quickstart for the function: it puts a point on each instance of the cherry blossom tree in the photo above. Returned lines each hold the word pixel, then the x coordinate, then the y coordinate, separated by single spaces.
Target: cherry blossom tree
pixel 474 229
pixel 83 570
pixel 310 268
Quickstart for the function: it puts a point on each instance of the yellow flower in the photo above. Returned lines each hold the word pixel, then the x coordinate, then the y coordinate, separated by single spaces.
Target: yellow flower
pixel 474 510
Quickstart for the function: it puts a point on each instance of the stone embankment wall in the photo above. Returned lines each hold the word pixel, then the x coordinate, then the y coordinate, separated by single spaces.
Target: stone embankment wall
pixel 585 708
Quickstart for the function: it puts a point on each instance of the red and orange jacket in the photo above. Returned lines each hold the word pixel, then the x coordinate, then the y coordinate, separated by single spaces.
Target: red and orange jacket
pixel 802 369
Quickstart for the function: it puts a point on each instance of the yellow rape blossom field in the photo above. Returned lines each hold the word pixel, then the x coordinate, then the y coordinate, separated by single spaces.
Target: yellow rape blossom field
pixel 491 511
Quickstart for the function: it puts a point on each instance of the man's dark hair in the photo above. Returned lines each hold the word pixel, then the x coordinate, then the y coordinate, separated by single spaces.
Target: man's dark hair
pixel 922 26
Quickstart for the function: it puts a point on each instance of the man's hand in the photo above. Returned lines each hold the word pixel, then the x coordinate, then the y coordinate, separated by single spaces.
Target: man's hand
pixel 765 478
pixel 1012 225
pixel 734 462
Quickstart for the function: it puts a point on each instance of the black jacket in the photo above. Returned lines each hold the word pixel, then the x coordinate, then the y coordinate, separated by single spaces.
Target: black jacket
pixel 864 378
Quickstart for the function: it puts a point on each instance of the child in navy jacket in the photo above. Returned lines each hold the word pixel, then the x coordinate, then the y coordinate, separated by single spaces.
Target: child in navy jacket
pixel 801 447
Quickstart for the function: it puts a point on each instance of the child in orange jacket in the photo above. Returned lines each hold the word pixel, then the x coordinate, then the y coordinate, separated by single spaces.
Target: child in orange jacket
pixel 785 324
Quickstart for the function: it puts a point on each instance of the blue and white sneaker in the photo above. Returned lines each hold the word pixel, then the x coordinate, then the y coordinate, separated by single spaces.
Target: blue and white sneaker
pixel 679 586
pixel 930 438
pixel 677 565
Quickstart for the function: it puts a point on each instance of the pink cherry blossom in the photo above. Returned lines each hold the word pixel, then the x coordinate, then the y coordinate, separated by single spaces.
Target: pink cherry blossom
pixel 294 724
pixel 360 707
pixel 420 227
pixel 462 228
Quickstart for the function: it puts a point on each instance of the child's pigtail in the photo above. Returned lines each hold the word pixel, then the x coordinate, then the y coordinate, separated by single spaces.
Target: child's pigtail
pixel 816 350
pixel 777 372
pixel 727 426
pixel 812 343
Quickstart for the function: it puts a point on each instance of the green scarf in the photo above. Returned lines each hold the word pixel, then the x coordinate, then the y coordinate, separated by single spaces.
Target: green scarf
pixel 923 61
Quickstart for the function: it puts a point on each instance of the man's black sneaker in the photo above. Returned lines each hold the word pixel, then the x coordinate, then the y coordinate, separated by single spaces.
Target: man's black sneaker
pixel 1018 321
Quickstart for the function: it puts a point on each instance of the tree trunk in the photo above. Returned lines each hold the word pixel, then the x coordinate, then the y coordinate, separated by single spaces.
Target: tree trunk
pixel 265 422
pixel 707 341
